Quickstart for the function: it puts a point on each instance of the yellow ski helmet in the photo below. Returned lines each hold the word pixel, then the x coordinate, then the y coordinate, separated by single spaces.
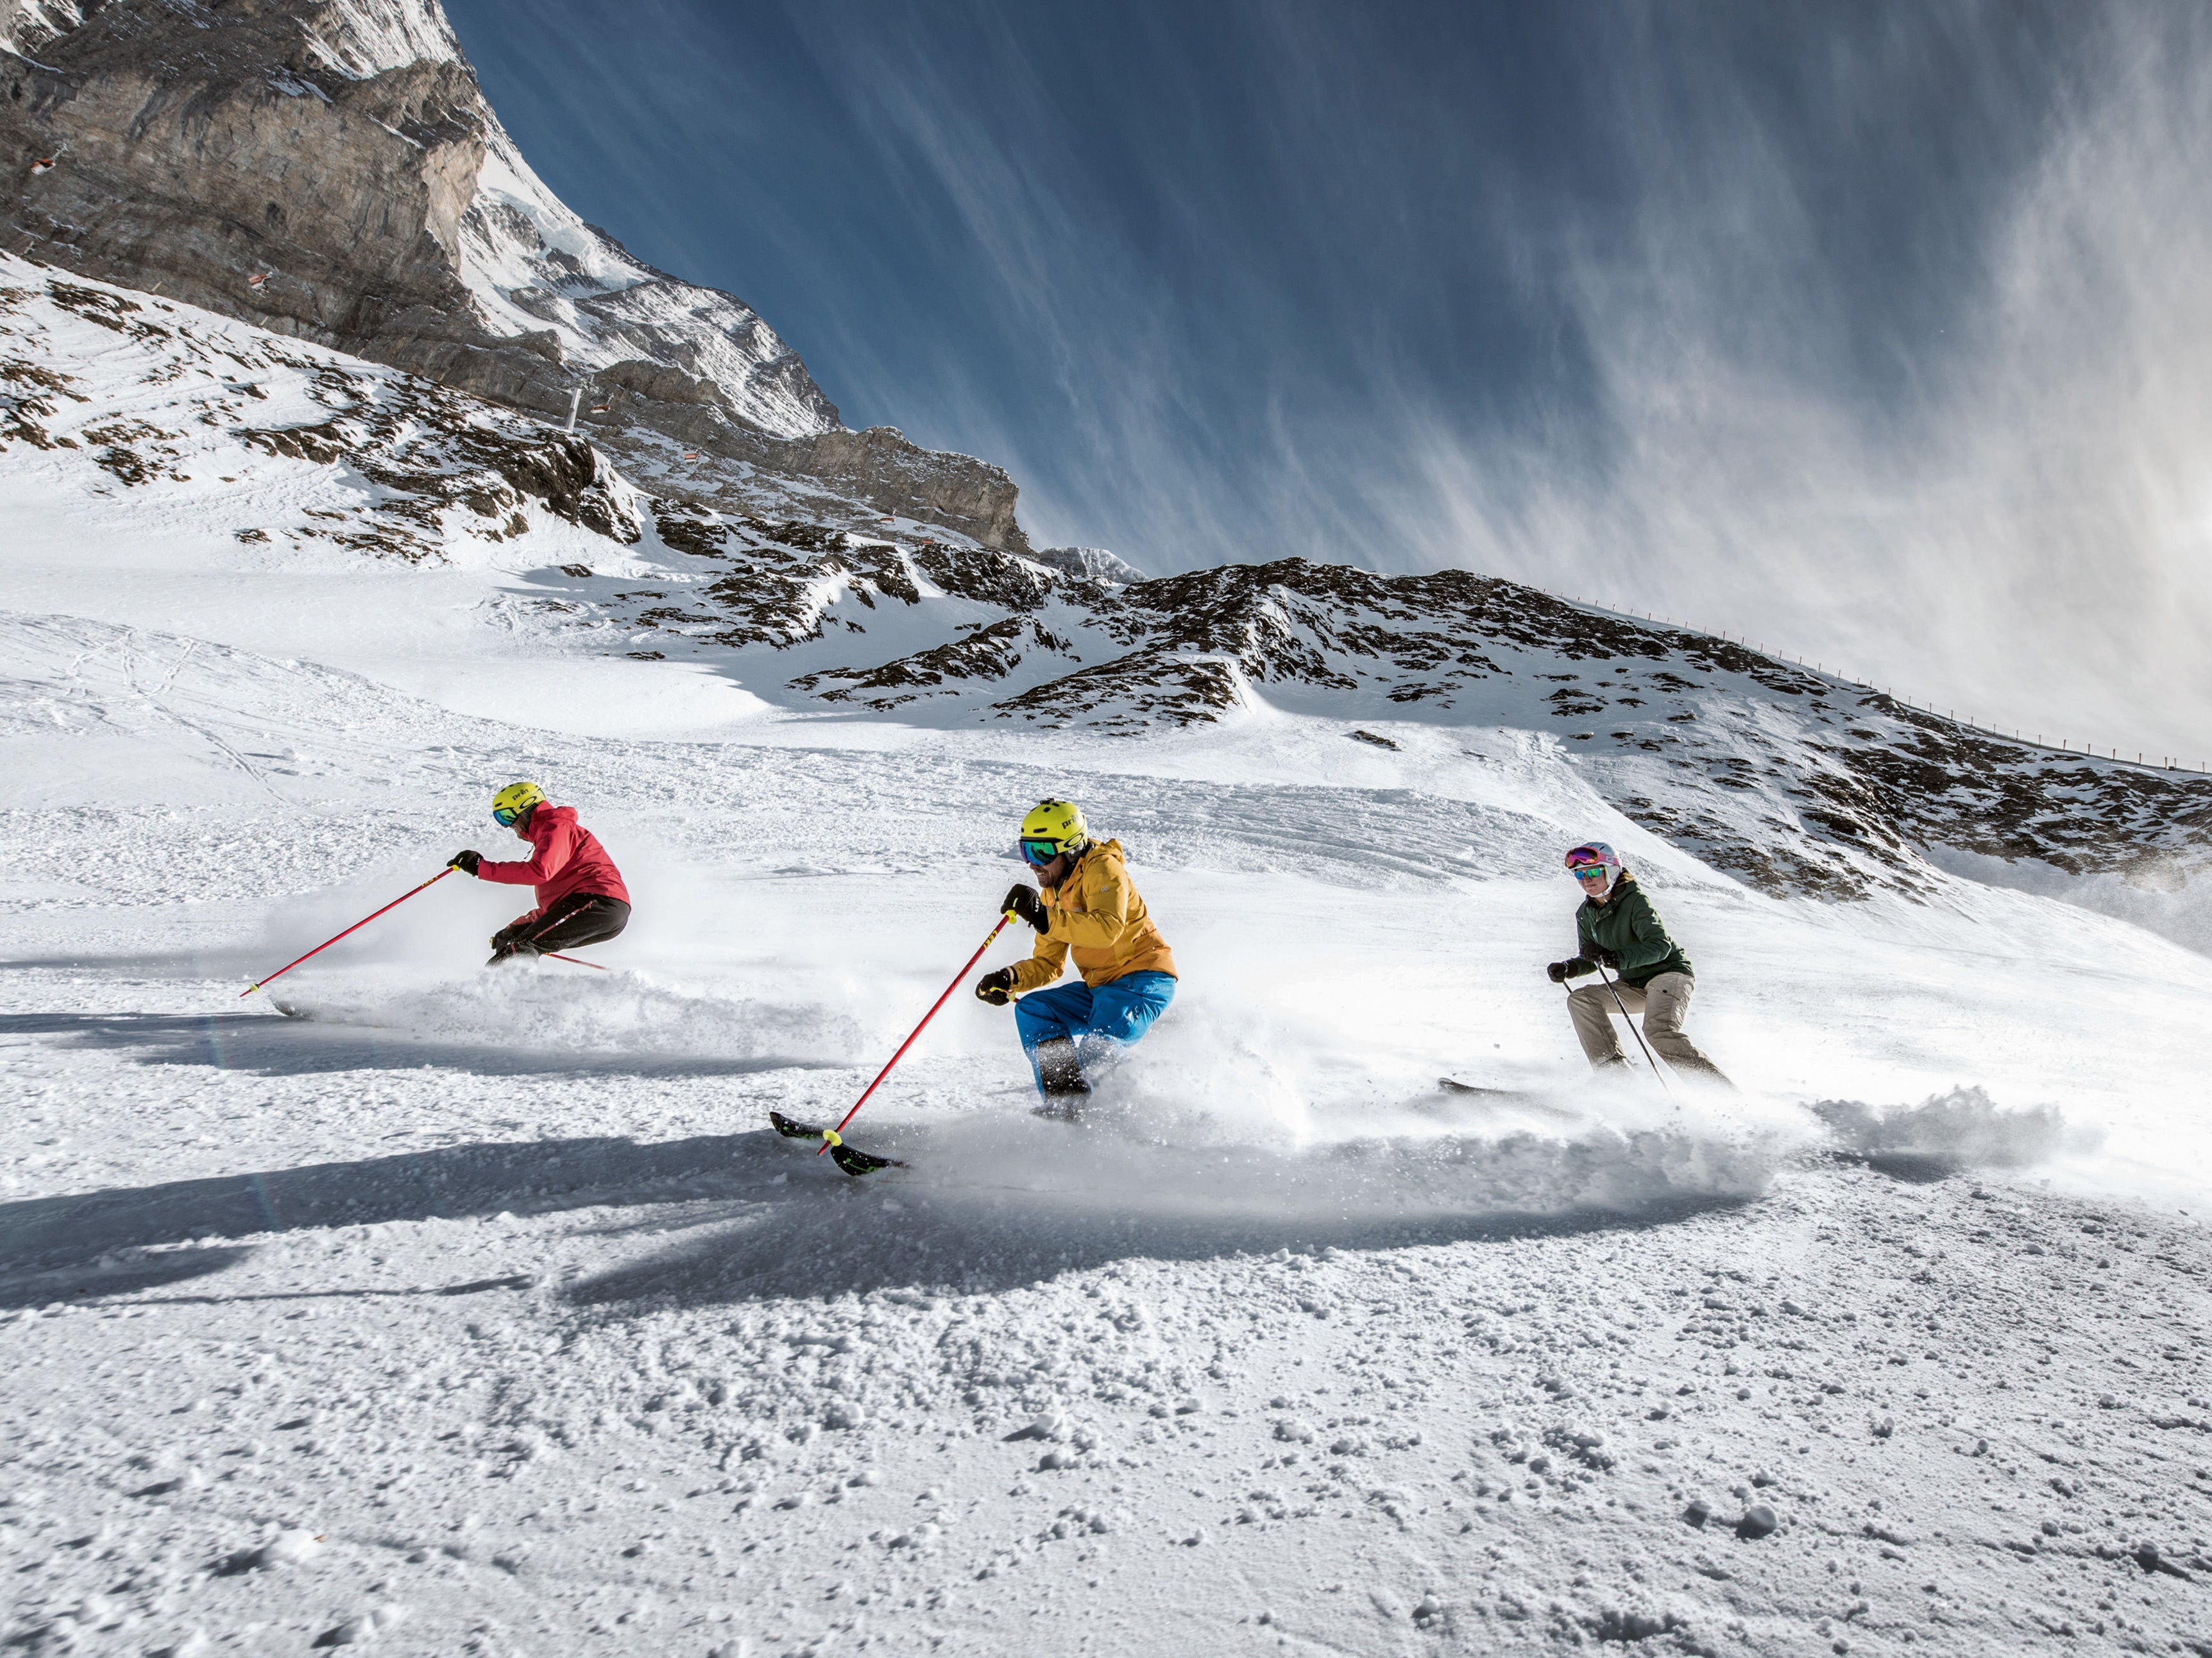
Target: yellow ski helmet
pixel 1053 827
pixel 512 804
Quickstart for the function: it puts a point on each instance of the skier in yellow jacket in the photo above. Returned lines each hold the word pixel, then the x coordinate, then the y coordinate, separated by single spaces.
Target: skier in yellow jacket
pixel 1087 909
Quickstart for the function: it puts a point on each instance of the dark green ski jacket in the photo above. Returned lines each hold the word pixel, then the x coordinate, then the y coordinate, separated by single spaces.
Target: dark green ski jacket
pixel 1626 925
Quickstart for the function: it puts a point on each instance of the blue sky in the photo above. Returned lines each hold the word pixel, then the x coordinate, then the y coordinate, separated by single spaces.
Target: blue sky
pixel 1857 329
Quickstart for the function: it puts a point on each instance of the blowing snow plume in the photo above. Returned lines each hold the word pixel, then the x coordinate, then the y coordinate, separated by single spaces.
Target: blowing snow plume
pixel 1962 1129
pixel 528 1009
pixel 991 1204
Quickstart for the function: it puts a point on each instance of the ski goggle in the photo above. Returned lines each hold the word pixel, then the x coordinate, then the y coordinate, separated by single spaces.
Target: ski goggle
pixel 506 816
pixel 1038 853
pixel 1584 872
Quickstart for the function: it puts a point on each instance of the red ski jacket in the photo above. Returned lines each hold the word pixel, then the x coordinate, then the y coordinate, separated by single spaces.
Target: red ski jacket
pixel 569 859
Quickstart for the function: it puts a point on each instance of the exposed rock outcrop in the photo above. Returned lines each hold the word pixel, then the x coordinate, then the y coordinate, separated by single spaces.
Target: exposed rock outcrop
pixel 1096 563
pixel 1792 780
pixel 329 168
pixel 195 168
pixel 879 466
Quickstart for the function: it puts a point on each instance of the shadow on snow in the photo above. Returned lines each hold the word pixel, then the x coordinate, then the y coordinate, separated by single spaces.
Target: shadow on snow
pixel 271 1045
pixel 990 1205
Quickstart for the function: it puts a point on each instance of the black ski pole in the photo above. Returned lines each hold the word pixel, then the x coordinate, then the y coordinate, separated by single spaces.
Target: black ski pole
pixel 1633 1031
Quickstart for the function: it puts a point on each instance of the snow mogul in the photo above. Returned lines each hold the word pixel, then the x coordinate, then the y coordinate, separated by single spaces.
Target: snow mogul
pixel 1617 927
pixel 581 896
pixel 1087 908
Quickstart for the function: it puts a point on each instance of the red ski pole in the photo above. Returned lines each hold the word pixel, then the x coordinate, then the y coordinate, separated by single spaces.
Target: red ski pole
pixel 832 1136
pixel 556 955
pixel 356 927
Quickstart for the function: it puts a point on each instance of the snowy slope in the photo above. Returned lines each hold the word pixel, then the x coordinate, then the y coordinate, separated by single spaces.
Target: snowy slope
pixel 481 1311
pixel 483 1306
pixel 260 491
pixel 361 38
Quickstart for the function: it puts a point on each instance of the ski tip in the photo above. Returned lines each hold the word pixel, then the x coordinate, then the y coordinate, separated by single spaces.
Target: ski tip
pixel 860 1163
pixel 1454 1085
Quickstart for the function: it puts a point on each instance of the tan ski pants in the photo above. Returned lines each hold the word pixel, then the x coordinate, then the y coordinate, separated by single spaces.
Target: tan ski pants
pixel 1663 1002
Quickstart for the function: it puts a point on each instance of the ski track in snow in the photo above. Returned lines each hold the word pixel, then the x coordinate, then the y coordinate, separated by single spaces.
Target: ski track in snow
pixel 480 1312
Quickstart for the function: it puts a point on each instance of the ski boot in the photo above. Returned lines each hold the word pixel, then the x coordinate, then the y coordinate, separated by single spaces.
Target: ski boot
pixel 1059 1078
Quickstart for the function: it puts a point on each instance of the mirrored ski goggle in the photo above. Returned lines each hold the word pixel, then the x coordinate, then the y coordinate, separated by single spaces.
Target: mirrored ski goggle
pixel 1584 872
pixel 1040 852
pixel 506 816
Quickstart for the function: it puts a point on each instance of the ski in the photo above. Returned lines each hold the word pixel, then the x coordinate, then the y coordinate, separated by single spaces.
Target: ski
pixel 1503 1097
pixel 1453 1085
pixel 846 1158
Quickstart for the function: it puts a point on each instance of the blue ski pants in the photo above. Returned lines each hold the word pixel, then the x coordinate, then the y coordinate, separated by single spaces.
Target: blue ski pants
pixel 1099 1022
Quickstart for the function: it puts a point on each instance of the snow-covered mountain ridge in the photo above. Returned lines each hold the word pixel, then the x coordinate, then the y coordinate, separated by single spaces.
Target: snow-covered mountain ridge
pixel 436 467
pixel 329 168
pixel 1788 779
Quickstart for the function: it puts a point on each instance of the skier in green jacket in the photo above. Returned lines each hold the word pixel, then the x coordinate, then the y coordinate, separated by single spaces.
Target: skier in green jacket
pixel 1617 927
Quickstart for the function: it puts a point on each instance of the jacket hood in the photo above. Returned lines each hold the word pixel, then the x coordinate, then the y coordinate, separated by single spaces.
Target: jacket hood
pixel 1621 882
pixel 1111 848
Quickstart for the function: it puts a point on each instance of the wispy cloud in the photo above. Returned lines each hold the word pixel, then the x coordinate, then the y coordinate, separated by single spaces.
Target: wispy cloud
pixel 1876 334
pixel 2011 520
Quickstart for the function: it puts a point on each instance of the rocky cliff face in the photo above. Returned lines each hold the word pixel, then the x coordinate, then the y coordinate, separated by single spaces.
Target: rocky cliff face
pixel 252 163
pixel 329 168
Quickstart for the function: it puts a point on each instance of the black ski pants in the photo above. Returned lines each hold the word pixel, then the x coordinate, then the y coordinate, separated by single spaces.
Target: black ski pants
pixel 569 923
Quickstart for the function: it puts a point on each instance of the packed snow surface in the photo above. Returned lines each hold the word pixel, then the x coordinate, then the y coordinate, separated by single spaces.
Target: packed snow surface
pixel 466 1311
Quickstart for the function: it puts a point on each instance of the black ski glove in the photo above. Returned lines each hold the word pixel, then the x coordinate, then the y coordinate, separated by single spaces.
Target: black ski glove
pixel 1557 973
pixel 1022 902
pixel 465 862
pixel 996 989
pixel 1609 959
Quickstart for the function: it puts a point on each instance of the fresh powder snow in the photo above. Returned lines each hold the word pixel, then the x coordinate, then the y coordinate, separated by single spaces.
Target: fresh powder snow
pixel 456 1310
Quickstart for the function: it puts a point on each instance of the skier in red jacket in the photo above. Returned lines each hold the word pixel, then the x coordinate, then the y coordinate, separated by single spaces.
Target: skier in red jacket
pixel 581 896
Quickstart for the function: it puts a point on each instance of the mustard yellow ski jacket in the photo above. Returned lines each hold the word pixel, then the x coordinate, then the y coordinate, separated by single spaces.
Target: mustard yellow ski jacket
pixel 1097 916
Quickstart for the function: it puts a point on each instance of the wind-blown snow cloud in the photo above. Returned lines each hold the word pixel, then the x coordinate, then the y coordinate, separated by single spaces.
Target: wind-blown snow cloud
pixel 1872 334
pixel 2002 508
